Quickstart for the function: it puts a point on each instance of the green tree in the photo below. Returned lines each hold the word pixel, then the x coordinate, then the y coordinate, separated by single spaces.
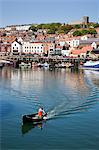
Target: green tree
pixel 84 32
pixel 96 25
pixel 51 31
pixel 77 33
pixel 60 31
pixel 77 26
pixel 92 31
pixel 33 28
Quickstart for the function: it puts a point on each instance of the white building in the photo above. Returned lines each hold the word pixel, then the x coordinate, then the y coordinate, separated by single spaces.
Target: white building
pixel 33 48
pixel 51 49
pixel 62 43
pixel 16 48
pixel 94 45
pixel 8 28
pixel 18 27
pixel 73 43
pixel 85 37
pixel 22 27
pixel 65 52
pixel 20 40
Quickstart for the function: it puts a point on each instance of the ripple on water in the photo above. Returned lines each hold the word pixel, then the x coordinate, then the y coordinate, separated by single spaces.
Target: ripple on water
pixel 6 109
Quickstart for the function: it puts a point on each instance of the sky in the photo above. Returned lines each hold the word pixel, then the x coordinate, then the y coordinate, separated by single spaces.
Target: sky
pixel 15 12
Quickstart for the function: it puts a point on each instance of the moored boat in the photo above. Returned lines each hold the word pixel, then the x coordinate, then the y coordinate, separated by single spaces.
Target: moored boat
pixel 92 65
pixel 24 65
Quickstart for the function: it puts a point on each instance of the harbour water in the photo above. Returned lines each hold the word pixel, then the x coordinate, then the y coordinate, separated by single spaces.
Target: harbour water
pixel 71 99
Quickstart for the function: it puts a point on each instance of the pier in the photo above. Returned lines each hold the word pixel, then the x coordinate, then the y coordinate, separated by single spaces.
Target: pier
pixel 52 61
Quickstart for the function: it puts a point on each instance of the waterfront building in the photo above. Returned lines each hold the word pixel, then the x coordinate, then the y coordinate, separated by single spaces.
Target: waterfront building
pixel 65 50
pixel 16 48
pixel 83 52
pixel 58 49
pixel 49 48
pixel 33 48
pixel 5 49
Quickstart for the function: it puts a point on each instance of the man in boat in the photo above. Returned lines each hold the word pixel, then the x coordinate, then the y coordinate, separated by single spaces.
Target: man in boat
pixel 41 112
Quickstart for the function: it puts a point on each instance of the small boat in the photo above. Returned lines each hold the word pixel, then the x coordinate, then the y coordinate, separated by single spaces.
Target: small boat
pixel 33 118
pixel 46 65
pixel 91 65
pixel 24 65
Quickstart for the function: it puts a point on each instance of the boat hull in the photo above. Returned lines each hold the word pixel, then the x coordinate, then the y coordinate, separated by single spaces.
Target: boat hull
pixel 33 118
pixel 91 65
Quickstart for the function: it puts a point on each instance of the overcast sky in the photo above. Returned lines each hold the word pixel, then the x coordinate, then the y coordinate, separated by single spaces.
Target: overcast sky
pixel 45 11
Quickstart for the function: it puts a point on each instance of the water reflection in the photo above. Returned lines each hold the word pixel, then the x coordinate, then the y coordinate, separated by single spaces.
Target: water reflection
pixel 61 92
pixel 65 95
pixel 92 76
pixel 25 128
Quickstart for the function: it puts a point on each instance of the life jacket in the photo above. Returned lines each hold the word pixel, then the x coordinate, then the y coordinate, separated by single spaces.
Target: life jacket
pixel 40 113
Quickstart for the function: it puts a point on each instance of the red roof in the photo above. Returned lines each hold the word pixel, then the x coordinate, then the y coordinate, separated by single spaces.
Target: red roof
pixel 83 50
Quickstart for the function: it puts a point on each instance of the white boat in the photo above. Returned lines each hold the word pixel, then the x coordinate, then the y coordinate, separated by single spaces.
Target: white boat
pixel 46 65
pixel 91 65
pixel 24 65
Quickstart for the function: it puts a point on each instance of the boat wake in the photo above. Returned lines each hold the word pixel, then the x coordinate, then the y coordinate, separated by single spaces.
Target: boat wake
pixel 54 113
pixel 76 104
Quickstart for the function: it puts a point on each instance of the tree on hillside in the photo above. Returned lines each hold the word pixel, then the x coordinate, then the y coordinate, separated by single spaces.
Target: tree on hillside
pixel 51 31
pixel 96 25
pixel 77 33
pixel 92 31
pixel 40 26
pixel 33 28
pixel 68 28
pixel 84 32
pixel 77 26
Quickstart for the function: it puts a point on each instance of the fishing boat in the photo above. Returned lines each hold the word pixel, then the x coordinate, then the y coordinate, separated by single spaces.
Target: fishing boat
pixel 92 65
pixel 33 118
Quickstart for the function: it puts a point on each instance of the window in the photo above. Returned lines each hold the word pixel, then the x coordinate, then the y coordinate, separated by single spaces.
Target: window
pixel 15 44
pixel 13 47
